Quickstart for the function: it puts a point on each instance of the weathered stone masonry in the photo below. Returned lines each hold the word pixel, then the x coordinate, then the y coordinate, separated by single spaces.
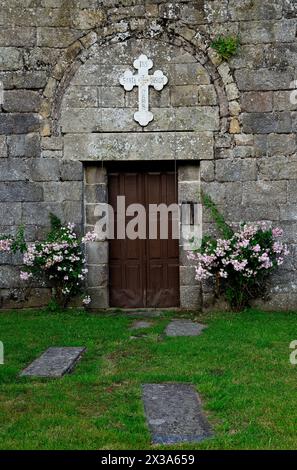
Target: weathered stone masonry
pixel 231 125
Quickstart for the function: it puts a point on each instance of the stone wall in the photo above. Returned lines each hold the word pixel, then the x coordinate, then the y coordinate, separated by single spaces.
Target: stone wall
pixel 59 64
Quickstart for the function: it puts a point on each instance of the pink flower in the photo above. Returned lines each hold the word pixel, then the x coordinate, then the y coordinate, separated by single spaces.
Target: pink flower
pixel 263 225
pixel 265 260
pixel 25 276
pixel 256 248
pixel 239 265
pixel 191 255
pixel 223 244
pixel 5 244
pixel 243 243
pixel 277 247
pixel 277 232
pixel 207 259
pixel 89 237
pixel 29 256
pixel 201 273
pixel 248 231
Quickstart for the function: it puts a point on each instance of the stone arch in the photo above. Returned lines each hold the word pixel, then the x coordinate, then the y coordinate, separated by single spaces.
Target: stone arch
pixel 81 50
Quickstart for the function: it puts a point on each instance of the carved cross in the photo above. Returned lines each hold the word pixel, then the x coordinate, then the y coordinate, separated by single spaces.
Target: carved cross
pixel 143 80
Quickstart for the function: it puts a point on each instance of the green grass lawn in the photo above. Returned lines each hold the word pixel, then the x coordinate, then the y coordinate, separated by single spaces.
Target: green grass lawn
pixel 240 366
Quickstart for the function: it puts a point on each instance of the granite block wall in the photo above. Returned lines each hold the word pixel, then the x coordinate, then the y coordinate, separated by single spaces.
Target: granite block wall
pixel 63 111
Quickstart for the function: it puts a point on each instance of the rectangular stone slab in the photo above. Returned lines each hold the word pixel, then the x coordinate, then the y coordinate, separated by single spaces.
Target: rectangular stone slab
pixel 184 327
pixel 108 146
pixel 174 413
pixel 54 362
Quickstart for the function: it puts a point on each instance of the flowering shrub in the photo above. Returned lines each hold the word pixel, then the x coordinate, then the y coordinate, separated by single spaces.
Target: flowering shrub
pixel 241 261
pixel 13 244
pixel 59 260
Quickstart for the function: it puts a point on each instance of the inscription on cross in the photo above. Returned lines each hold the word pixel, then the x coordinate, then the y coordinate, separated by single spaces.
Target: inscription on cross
pixel 143 80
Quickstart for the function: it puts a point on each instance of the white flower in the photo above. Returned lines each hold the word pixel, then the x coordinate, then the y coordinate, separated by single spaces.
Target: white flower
pixel 87 300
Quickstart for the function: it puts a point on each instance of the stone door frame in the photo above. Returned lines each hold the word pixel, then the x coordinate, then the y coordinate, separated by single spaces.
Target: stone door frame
pixel 96 192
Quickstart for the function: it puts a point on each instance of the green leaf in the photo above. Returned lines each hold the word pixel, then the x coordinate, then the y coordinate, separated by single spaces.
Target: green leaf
pixel 56 223
pixel 19 243
pixel 218 218
pixel 226 46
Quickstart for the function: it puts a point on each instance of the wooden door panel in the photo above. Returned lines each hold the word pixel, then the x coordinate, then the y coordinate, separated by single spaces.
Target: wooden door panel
pixel 127 285
pixel 114 189
pixel 144 272
pixel 131 188
pixel 162 286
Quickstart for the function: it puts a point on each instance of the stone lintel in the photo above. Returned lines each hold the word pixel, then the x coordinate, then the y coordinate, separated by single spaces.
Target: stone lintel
pixel 139 146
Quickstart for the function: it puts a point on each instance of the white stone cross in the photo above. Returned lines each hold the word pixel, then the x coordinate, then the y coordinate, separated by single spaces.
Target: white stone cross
pixel 143 80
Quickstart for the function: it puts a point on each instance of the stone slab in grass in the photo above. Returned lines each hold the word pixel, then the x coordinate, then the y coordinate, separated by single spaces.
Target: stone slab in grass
pixel 143 313
pixel 174 413
pixel 138 324
pixel 54 362
pixel 139 337
pixel 184 327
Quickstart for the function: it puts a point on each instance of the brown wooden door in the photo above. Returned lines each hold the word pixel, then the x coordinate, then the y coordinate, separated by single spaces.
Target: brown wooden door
pixel 143 272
